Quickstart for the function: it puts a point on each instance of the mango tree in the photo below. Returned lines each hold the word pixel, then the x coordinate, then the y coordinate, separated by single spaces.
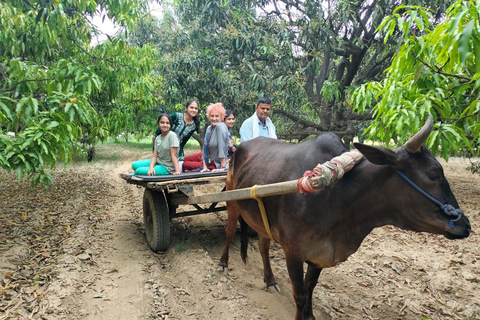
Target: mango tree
pixel 193 62
pixel 57 90
pixel 306 55
pixel 435 71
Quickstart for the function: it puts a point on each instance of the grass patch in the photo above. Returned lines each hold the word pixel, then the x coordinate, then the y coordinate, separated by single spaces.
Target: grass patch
pixel 144 144
pixel 106 156
pixel 116 149
pixel 181 247
pixel 100 156
pixel 474 166
pixel 147 143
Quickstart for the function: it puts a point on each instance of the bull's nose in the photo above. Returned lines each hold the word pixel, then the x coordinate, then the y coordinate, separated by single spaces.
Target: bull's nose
pixel 461 229
pixel 461 235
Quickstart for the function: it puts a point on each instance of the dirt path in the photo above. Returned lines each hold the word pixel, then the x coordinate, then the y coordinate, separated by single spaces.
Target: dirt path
pixel 126 280
pixel 97 264
pixel 112 282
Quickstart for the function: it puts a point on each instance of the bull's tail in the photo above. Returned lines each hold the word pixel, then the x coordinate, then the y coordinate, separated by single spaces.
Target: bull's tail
pixel 243 239
pixel 231 163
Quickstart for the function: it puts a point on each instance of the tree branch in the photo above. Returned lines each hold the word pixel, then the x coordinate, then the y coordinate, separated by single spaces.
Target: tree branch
pixel 273 12
pixel 350 49
pixel 29 4
pixel 130 102
pixel 355 116
pixel 81 48
pixel 14 86
pixel 363 22
pixel 438 70
pixel 303 134
pixel 295 5
pixel 309 77
pixel 95 57
pixel 322 77
pixel 373 67
pixel 304 123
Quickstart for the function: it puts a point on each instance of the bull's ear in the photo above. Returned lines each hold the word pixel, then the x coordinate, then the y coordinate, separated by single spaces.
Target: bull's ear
pixel 377 155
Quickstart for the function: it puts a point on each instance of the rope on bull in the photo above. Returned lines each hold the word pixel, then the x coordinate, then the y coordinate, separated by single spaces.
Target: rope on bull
pixel 263 212
pixel 327 172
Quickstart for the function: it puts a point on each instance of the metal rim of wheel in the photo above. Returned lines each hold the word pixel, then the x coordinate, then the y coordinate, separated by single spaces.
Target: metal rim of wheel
pixel 156 220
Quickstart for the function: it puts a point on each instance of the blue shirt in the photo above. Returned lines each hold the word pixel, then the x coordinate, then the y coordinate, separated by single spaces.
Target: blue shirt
pixel 246 130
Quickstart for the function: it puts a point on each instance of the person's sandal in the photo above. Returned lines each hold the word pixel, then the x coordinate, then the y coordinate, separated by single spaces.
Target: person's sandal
pixel 124 175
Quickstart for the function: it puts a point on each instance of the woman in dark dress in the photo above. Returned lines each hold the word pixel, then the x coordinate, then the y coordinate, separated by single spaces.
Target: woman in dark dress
pixel 184 125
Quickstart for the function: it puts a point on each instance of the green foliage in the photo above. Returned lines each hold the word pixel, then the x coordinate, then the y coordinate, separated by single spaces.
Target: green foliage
pixel 331 91
pixel 435 71
pixel 474 167
pixel 195 61
pixel 302 54
pixel 57 92
pixel 181 246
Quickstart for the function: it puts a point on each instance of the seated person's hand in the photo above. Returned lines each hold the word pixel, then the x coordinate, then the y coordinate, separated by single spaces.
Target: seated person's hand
pixel 151 172
pixel 176 173
pixel 205 170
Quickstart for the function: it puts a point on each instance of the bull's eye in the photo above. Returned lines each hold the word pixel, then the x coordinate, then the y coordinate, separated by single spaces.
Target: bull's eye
pixel 433 175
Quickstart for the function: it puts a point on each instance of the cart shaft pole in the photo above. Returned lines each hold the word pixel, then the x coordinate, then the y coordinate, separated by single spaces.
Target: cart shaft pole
pixel 330 171
pixel 273 189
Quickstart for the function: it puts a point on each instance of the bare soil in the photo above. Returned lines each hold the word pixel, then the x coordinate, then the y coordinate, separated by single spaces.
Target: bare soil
pixel 78 251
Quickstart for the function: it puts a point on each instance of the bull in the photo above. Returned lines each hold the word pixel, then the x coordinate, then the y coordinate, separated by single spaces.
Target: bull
pixel 325 227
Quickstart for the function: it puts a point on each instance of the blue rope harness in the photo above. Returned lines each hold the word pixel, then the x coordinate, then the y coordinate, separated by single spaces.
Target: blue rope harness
pixel 448 209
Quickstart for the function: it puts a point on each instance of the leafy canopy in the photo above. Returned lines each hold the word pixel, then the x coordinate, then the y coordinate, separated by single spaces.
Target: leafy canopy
pixel 56 90
pixel 435 71
pixel 305 55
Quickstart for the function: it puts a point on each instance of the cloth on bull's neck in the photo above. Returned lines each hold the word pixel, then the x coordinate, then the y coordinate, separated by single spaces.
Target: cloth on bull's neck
pixel 268 122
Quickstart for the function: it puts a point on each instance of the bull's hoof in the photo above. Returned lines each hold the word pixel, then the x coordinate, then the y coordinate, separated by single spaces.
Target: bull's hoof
pixel 308 314
pixel 274 288
pixel 221 268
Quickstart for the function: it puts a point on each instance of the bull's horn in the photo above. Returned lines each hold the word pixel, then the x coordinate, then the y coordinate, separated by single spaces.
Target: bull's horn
pixel 413 145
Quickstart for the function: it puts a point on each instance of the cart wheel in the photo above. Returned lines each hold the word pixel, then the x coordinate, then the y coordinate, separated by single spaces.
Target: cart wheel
pixel 156 220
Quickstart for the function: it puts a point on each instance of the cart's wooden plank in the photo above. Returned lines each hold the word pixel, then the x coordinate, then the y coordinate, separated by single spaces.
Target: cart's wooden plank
pixel 164 184
pixel 165 178
pixel 197 181
pixel 195 212
pixel 214 179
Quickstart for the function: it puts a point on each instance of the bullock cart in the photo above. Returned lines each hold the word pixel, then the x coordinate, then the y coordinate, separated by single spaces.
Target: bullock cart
pixel 164 194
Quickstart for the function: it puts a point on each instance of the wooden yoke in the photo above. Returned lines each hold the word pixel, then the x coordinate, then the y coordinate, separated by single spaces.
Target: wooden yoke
pixel 326 173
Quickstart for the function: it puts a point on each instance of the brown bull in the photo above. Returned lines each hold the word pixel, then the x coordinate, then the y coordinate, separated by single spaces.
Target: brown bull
pixel 325 227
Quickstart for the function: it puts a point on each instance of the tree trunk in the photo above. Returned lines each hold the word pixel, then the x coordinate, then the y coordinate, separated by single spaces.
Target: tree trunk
pixel 90 154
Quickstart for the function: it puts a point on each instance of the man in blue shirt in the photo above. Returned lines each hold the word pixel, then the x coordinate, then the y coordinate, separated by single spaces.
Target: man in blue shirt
pixel 259 124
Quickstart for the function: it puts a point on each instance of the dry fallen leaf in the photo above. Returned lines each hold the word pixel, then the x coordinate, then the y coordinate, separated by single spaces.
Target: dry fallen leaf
pixel 112 270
